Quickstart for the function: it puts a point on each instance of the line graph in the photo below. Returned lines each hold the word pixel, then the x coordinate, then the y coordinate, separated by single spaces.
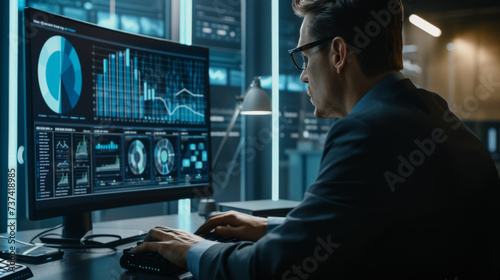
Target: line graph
pixel 139 86
pixel 62 146
pixel 170 113
pixel 190 93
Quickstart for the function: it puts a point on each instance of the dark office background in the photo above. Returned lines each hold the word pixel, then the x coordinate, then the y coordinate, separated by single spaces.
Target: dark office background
pixel 472 27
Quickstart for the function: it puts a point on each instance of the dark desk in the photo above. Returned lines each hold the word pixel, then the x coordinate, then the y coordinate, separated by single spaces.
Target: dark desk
pixel 96 264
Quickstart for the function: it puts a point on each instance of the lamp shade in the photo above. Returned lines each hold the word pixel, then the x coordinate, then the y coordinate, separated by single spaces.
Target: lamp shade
pixel 256 101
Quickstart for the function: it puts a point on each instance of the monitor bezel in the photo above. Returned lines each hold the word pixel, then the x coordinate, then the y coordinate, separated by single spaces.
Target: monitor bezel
pixel 111 200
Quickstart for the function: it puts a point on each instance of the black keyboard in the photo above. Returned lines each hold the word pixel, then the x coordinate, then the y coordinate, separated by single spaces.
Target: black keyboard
pixel 19 271
pixel 154 263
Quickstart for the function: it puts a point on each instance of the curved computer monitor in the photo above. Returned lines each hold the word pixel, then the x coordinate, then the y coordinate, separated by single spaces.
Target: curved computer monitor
pixel 112 119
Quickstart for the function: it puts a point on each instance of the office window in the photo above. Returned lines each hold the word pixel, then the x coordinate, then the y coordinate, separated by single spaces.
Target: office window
pixel 80 14
pixel 217 24
pixel 302 135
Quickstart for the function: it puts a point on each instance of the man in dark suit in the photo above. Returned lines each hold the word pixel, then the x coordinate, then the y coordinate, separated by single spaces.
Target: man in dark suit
pixel 405 190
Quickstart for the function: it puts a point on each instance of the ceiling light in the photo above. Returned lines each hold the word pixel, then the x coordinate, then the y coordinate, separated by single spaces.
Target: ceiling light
pixel 425 25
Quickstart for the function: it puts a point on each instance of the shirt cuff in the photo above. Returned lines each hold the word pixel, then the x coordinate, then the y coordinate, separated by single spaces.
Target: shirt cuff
pixel 273 222
pixel 194 256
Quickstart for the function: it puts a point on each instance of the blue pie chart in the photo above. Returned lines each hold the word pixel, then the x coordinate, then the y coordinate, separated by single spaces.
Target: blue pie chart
pixel 59 75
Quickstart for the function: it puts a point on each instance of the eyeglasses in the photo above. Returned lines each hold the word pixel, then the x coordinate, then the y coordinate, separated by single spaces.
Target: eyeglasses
pixel 299 59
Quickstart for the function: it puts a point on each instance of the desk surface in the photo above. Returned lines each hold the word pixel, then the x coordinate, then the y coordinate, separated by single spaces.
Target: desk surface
pixel 96 264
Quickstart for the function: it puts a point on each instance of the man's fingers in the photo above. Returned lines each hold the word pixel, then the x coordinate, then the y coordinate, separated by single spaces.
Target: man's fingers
pixel 172 244
pixel 210 223
pixel 145 247
pixel 215 221
pixel 217 214
pixel 227 231
pixel 205 228
pixel 156 234
pixel 166 229
pixel 162 248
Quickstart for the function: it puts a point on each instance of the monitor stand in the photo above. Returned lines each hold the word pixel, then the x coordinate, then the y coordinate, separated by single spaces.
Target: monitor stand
pixel 77 231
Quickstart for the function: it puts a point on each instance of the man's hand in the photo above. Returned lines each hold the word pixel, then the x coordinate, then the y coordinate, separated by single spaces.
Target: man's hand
pixel 172 244
pixel 235 224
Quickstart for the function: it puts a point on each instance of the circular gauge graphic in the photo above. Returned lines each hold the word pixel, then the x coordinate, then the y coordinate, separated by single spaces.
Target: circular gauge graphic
pixel 137 157
pixel 59 75
pixel 164 156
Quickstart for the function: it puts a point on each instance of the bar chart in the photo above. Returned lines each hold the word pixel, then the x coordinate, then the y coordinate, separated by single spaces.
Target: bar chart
pixel 107 160
pixel 136 86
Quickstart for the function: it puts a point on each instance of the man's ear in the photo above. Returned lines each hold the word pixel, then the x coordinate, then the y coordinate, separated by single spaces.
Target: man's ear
pixel 340 54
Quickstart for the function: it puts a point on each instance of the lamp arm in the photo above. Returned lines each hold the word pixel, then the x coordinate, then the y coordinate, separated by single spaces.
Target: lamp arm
pixel 229 128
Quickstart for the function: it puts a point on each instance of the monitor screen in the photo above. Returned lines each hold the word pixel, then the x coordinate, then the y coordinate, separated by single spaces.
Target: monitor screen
pixel 112 118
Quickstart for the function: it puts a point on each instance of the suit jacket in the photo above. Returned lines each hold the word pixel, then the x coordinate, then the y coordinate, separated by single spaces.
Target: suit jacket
pixel 404 191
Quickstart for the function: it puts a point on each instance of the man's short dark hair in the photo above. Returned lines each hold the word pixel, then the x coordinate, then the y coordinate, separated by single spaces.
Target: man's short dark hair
pixel 371 28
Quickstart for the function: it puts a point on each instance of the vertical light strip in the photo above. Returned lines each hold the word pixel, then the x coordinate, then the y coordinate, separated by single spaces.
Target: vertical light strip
pixel 243 161
pixel 185 37
pixel 275 99
pixel 189 22
pixel 186 22
pixel 182 22
pixel 112 8
pixel 13 80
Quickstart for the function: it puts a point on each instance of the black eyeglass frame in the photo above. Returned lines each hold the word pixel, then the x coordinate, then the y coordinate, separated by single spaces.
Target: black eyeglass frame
pixel 306 47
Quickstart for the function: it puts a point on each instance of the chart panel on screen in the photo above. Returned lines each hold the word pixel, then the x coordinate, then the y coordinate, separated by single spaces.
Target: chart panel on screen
pixel 59 74
pixel 113 119
pixel 163 88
